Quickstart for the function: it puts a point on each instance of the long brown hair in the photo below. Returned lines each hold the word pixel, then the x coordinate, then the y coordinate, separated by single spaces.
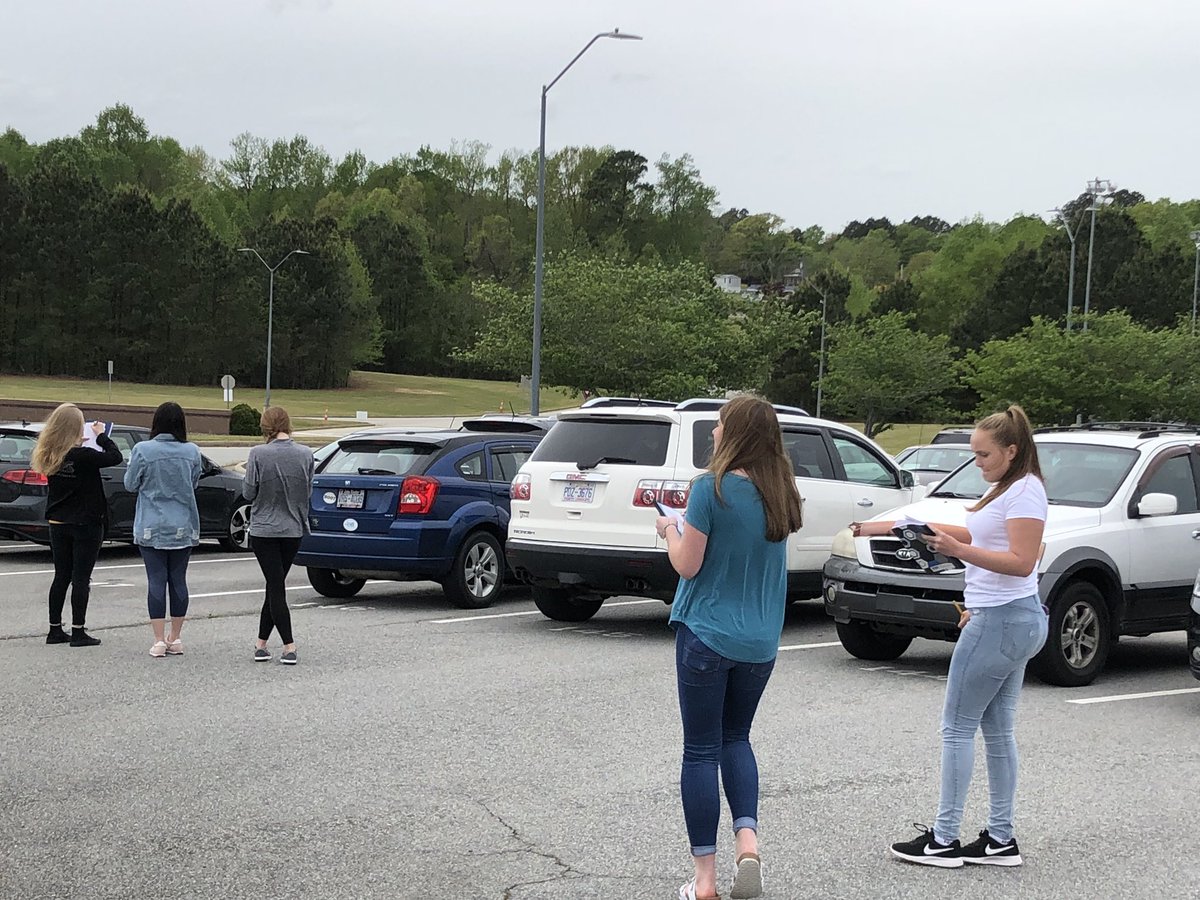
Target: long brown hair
pixel 751 441
pixel 275 421
pixel 62 433
pixel 1011 428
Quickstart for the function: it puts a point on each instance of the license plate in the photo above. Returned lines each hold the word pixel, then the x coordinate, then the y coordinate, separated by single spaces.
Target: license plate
pixel 351 499
pixel 579 493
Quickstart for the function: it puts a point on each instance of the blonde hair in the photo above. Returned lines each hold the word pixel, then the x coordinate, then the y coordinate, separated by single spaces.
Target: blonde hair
pixel 275 421
pixel 752 441
pixel 1010 428
pixel 62 433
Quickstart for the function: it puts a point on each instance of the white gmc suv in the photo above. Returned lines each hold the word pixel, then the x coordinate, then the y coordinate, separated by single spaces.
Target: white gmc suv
pixel 583 505
pixel 1122 545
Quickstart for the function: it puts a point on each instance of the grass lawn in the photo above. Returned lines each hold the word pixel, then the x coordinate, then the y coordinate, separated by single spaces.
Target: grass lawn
pixel 898 437
pixel 378 393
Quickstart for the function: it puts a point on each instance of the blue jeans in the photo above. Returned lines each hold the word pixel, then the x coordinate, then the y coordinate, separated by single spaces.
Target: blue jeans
pixel 166 569
pixel 986 672
pixel 717 701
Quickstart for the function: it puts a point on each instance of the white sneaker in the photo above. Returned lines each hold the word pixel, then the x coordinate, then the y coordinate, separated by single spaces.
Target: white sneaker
pixel 159 650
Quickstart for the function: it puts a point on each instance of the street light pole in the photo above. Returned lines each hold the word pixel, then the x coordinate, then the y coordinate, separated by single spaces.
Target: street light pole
pixel 1195 236
pixel 1097 189
pixel 271 307
pixel 821 364
pixel 539 246
pixel 1071 277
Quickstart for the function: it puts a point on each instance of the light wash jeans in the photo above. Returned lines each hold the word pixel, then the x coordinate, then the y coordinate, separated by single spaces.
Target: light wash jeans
pixel 986 672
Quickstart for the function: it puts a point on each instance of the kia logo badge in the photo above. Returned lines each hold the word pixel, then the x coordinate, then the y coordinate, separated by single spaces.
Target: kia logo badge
pixel 907 554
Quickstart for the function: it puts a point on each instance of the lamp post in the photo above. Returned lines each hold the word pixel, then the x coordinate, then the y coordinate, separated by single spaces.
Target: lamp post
pixel 1099 190
pixel 821 363
pixel 1195 236
pixel 271 306
pixel 536 373
pixel 1062 217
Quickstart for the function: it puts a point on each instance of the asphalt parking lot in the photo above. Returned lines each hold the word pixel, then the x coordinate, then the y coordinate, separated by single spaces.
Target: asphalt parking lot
pixel 420 751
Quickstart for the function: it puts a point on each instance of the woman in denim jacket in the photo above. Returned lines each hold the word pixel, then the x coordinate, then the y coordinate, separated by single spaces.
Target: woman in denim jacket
pixel 164 471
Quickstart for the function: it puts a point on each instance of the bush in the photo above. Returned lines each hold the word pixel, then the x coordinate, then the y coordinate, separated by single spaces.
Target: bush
pixel 245 419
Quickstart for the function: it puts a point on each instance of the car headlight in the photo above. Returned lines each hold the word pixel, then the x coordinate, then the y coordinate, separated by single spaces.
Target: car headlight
pixel 843 544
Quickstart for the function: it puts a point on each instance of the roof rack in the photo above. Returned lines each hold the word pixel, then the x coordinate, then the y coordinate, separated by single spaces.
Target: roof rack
pixel 603 402
pixel 1144 429
pixel 711 404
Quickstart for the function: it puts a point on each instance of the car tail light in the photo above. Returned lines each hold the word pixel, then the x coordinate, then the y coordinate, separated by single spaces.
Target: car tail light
pixel 669 493
pixel 521 487
pixel 25 476
pixel 417 495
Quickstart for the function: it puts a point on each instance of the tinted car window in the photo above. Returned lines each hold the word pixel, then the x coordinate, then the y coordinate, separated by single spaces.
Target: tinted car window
pixel 937 459
pixel 505 463
pixel 1076 474
pixel 861 465
pixel 624 441
pixel 391 458
pixel 1174 477
pixel 472 467
pixel 809 454
pixel 16 447
pixel 125 441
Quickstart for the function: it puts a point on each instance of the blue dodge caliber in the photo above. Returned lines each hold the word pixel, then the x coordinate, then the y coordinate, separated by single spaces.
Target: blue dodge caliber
pixel 418 506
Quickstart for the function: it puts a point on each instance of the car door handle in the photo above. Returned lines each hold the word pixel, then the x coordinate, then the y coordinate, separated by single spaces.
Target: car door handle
pixel 865 502
pixel 106 477
pixel 1196 535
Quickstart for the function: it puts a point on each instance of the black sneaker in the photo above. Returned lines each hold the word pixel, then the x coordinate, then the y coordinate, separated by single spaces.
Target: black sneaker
pixel 926 851
pixel 987 851
pixel 56 635
pixel 80 638
pixel 290 658
pixel 262 654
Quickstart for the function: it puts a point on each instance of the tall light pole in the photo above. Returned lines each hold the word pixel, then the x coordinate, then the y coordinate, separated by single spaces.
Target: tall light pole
pixel 821 364
pixel 1195 236
pixel 271 307
pixel 1099 190
pixel 1062 217
pixel 536 374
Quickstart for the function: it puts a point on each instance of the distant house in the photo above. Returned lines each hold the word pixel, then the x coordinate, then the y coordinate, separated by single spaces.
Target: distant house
pixel 793 279
pixel 731 284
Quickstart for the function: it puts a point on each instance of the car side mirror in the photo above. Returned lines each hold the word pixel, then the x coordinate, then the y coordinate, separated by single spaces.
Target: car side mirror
pixel 907 479
pixel 208 467
pixel 1157 505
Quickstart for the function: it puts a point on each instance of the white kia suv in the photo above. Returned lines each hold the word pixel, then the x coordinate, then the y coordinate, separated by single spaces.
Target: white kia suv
pixel 583 505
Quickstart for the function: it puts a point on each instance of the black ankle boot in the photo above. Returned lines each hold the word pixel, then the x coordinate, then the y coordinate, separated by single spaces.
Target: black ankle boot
pixel 80 638
pixel 56 635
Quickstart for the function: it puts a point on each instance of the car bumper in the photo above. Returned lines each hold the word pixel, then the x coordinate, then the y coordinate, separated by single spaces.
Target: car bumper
pixel 593 570
pixel 895 602
pixel 375 556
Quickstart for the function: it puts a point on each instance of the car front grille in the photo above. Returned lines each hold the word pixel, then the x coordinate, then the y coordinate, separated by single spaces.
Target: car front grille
pixel 883 555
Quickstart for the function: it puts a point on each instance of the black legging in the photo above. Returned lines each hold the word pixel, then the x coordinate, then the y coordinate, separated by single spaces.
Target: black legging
pixel 75 548
pixel 275 557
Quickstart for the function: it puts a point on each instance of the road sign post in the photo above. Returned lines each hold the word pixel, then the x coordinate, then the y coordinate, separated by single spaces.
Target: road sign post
pixel 228 383
pixel 110 370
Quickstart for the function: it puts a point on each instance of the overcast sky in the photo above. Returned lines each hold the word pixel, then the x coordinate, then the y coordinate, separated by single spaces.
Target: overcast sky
pixel 819 112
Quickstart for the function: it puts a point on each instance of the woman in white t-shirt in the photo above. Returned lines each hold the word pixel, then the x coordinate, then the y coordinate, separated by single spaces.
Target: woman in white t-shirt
pixel 1003 627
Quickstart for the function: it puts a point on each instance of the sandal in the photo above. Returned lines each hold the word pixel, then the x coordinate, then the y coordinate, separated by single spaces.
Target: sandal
pixel 748 881
pixel 688 892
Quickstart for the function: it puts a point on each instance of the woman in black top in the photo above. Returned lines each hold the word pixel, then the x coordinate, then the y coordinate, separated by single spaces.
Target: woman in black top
pixel 76 509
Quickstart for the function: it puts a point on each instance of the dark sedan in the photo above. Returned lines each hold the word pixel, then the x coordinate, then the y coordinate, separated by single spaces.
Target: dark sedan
pixel 224 514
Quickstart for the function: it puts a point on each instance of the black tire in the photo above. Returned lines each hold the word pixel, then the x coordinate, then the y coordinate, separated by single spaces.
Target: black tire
pixel 1080 635
pixel 477 576
pixel 237 529
pixel 332 583
pixel 864 642
pixel 560 605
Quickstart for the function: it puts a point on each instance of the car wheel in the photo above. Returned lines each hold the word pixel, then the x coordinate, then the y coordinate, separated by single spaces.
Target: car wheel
pixel 1079 637
pixel 332 583
pixel 560 605
pixel 864 642
pixel 477 575
pixel 237 529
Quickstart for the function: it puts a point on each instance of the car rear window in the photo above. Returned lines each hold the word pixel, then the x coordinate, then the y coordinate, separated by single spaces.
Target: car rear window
pixel 16 447
pixel 633 442
pixel 379 458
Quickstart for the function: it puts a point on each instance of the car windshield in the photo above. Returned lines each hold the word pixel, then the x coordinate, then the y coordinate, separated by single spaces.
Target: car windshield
pixel 16 447
pixel 629 442
pixel 377 458
pixel 1076 474
pixel 945 458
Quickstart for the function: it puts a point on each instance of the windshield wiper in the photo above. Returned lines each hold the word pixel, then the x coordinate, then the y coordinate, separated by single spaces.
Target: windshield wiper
pixel 954 495
pixel 376 472
pixel 623 460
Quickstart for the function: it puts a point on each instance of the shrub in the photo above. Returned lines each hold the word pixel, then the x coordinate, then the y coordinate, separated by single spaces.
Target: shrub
pixel 245 419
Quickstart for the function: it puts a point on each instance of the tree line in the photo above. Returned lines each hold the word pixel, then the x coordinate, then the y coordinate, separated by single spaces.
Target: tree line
pixel 119 244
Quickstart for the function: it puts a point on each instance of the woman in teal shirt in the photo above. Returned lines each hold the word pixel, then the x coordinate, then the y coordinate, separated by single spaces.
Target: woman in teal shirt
pixel 731 556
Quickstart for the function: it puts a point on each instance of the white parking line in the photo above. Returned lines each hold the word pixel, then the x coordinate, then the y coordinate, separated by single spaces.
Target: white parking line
pixel 531 612
pixel 290 587
pixel 812 646
pixel 1143 696
pixel 138 565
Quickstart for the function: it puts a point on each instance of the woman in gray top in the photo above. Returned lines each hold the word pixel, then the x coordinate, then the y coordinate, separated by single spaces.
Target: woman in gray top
pixel 279 485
